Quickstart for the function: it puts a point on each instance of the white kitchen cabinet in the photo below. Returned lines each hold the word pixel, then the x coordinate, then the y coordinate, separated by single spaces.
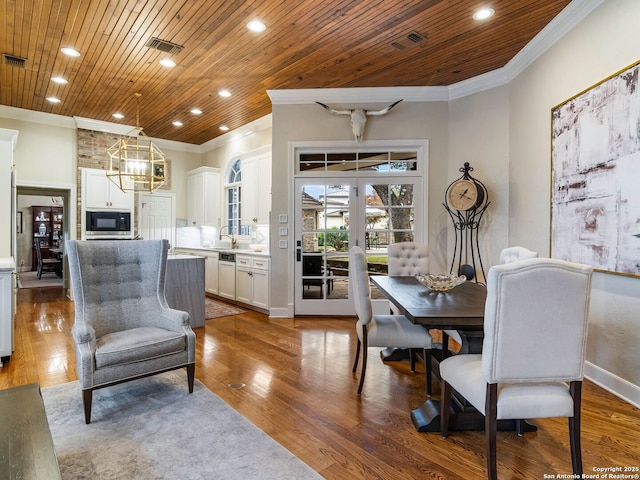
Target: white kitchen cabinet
pixel 7 307
pixel 211 273
pixel 100 193
pixel 203 197
pixel 252 281
pixel 227 280
pixel 256 189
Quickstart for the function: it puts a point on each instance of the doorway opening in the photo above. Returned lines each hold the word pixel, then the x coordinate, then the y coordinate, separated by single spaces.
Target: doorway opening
pixel 44 214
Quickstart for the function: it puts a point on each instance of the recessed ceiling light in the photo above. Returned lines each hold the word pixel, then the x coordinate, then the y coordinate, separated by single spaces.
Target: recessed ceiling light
pixel 256 26
pixel 177 123
pixel 59 80
pixel 224 128
pixel 167 62
pixel 196 111
pixel 72 52
pixel 224 93
pixel 483 13
pixel 119 116
pixel 53 100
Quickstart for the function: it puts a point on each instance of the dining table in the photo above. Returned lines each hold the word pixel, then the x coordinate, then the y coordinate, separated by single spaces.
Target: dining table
pixel 461 309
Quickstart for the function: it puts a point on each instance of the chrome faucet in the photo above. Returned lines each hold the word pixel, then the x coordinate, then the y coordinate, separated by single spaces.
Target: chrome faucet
pixel 234 242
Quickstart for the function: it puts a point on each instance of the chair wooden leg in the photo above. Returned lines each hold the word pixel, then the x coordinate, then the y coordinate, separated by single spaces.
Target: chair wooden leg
pixel 428 370
pixel 574 428
pixel 364 358
pixel 87 396
pixel 412 359
pixel 191 374
pixel 491 427
pixel 445 408
pixel 355 363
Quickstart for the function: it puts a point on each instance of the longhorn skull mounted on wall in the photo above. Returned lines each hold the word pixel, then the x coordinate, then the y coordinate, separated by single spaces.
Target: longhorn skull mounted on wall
pixel 358 117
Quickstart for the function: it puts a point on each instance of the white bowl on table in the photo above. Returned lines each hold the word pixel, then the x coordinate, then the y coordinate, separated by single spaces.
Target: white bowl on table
pixel 257 247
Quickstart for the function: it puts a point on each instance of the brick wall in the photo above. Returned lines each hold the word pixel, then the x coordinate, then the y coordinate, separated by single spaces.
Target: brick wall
pixel 92 153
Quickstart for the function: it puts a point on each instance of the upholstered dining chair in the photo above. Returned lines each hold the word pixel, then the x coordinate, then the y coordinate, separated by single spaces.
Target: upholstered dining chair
pixel 124 329
pixel 535 330
pixel 409 259
pixel 380 330
pixel 512 254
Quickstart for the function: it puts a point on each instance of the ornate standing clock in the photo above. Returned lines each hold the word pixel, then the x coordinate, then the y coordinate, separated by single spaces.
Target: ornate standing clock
pixel 466 200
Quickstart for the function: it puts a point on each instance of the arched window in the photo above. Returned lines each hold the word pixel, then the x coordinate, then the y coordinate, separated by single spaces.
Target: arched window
pixel 233 195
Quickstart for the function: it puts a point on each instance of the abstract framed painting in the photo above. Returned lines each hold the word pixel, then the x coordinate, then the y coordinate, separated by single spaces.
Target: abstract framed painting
pixel 595 175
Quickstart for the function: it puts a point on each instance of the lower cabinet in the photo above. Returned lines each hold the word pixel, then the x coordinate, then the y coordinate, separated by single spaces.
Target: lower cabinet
pixel 227 280
pixel 252 281
pixel 211 273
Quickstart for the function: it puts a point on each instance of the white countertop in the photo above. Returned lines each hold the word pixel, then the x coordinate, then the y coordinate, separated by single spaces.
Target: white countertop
pixel 6 264
pixel 239 251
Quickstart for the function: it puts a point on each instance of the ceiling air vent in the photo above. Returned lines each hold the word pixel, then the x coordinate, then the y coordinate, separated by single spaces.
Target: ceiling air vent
pixel 407 41
pixel 164 45
pixel 14 61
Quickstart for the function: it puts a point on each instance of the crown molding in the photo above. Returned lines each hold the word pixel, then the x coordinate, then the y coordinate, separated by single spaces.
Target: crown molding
pixel 32 116
pixel 557 28
pixel 359 94
pixel 231 136
pixel 566 20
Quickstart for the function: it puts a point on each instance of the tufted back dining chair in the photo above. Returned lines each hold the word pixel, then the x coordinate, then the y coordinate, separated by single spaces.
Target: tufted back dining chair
pixel 512 254
pixel 535 332
pixel 123 328
pixel 379 330
pixel 408 258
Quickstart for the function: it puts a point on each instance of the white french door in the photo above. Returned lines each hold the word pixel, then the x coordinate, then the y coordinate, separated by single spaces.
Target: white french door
pixel 333 214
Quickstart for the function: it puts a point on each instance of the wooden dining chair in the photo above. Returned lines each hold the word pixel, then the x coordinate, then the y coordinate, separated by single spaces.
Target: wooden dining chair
pixel 535 331
pixel 380 330
pixel 46 264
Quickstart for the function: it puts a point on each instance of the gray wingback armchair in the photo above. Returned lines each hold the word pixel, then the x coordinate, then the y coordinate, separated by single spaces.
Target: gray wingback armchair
pixel 123 327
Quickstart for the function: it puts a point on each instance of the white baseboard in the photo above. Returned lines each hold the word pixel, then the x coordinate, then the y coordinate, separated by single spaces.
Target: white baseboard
pixel 620 387
pixel 286 312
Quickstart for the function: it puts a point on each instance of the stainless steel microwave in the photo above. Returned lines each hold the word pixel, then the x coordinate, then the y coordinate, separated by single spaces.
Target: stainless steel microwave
pixel 108 222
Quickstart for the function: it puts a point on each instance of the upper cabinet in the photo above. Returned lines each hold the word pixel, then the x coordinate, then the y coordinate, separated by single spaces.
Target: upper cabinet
pixel 256 189
pixel 100 193
pixel 203 196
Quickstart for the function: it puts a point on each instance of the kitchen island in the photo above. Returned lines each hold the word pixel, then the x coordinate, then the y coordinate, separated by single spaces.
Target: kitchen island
pixel 184 286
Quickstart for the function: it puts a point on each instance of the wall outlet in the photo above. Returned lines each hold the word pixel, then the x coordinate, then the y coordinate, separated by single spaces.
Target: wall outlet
pixel 283 244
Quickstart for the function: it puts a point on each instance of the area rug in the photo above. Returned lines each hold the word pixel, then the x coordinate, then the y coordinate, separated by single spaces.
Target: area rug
pixel 153 428
pixel 30 280
pixel 213 309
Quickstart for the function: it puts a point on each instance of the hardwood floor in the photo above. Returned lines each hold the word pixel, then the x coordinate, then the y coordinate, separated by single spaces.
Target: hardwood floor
pixel 300 391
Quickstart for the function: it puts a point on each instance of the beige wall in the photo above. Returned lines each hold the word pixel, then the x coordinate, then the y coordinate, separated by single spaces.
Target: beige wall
pixel 44 154
pixel 409 120
pixel 605 42
pixel 8 138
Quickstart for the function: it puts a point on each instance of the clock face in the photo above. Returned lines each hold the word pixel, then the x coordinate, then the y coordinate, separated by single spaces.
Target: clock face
pixel 463 195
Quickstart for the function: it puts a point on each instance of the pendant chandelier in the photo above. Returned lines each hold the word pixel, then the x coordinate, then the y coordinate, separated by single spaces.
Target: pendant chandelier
pixel 135 163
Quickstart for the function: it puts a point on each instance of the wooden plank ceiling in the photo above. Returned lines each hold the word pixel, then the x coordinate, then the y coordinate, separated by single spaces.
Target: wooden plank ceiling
pixel 307 44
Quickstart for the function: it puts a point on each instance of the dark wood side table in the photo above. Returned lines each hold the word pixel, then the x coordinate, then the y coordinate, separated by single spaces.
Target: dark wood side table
pixel 26 446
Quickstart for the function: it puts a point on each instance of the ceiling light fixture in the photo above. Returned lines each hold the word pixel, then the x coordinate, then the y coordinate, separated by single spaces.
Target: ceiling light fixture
pixel 59 80
pixel 224 93
pixel 53 100
pixel 167 62
pixel 224 128
pixel 196 111
pixel 71 52
pixel 119 116
pixel 177 123
pixel 136 164
pixel 256 26
pixel 483 13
